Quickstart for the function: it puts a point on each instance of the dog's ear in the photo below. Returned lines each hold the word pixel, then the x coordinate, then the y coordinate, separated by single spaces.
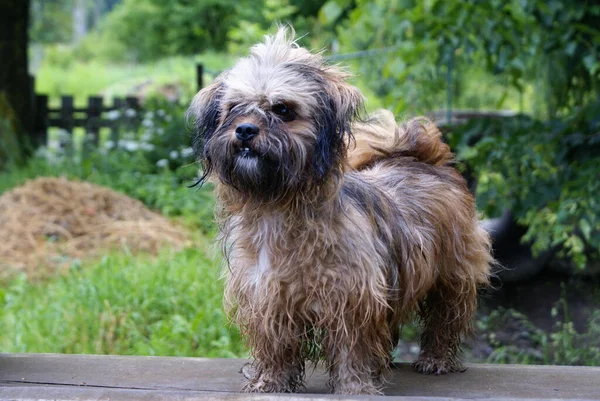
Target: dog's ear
pixel 339 105
pixel 204 114
pixel 203 117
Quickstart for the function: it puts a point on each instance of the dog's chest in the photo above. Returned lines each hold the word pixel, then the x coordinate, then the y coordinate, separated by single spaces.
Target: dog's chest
pixel 294 266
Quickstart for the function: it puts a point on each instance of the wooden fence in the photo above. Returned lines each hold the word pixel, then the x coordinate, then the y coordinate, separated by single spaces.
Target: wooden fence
pixel 93 117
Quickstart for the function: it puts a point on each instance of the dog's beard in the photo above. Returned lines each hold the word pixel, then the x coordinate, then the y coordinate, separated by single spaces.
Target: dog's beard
pixel 269 169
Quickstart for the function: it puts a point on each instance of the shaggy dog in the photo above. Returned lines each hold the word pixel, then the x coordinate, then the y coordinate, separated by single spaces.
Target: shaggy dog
pixel 336 231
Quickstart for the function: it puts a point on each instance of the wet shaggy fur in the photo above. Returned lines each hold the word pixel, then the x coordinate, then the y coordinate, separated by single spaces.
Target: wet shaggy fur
pixel 336 231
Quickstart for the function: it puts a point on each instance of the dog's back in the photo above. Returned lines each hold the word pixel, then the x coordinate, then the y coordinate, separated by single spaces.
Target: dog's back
pixel 381 138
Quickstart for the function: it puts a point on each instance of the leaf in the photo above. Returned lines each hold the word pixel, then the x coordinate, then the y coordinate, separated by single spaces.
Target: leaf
pixel 330 12
pixel 591 63
pixel 585 228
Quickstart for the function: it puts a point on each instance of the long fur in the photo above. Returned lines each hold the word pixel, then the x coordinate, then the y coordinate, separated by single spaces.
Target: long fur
pixel 334 240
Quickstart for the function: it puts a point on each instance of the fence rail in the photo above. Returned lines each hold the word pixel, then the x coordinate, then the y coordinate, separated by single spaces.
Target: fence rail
pixel 92 118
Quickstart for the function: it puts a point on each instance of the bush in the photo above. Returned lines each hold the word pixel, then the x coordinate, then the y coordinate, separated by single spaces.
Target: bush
pixel 545 172
pixel 141 30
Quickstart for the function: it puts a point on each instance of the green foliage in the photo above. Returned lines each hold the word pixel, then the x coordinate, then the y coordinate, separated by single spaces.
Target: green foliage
pixel 257 22
pixel 62 73
pixel 50 21
pixel 516 340
pixel 151 29
pixel 432 44
pixel 545 172
pixel 123 304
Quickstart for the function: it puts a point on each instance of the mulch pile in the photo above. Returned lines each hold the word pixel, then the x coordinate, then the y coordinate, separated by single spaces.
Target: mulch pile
pixel 48 223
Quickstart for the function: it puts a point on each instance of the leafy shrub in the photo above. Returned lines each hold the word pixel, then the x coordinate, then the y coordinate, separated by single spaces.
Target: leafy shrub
pixel 516 340
pixel 545 172
pixel 141 30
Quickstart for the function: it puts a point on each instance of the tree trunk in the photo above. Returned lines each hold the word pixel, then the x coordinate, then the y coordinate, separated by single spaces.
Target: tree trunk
pixel 15 85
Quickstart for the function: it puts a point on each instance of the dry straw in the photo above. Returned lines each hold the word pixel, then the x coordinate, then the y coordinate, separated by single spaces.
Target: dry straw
pixel 49 222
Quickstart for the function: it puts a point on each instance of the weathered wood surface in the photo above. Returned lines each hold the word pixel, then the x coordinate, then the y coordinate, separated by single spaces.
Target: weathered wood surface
pixel 94 377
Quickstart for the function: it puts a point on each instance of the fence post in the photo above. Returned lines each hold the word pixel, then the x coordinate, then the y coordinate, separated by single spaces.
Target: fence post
pixel 200 76
pixel 66 122
pixel 40 124
pixel 93 119
pixel 118 106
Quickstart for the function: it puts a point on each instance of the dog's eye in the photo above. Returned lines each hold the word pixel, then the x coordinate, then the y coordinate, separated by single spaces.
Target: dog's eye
pixel 283 111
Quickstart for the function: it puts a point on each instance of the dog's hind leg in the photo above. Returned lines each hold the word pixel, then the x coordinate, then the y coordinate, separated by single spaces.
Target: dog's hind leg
pixel 446 315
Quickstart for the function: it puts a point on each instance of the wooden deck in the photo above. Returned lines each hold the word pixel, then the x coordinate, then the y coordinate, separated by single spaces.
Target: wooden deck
pixel 95 377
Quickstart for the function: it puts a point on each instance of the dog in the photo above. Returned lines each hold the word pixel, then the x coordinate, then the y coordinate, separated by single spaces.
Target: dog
pixel 336 229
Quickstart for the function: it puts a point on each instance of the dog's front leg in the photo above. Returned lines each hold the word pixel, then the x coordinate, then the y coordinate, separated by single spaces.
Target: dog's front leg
pixel 278 366
pixel 357 360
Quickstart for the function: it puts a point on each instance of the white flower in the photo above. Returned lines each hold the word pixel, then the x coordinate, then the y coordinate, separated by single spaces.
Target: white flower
pixel 147 146
pixel 53 144
pixel 63 134
pixel 146 136
pixel 130 112
pixel 149 115
pixel 113 115
pixel 42 151
pixel 160 131
pixel 129 145
pixel 186 152
pixel 148 123
pixel 168 117
pixel 162 163
pixel 109 145
pixel 160 112
pixel 174 154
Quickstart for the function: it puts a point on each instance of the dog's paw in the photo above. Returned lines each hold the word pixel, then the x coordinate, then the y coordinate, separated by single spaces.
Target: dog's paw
pixel 435 366
pixel 268 383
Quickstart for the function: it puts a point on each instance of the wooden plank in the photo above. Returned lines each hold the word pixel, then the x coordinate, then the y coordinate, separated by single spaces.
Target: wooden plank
pixel 93 119
pixel 67 122
pixel 40 124
pixel 52 376
pixel 115 125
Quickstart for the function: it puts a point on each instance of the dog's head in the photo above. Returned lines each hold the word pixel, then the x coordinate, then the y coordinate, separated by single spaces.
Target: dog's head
pixel 276 122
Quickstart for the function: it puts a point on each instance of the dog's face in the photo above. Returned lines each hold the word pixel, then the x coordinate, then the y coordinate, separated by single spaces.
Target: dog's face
pixel 275 123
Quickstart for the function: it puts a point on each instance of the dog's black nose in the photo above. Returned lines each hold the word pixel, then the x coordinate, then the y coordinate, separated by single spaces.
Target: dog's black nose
pixel 246 131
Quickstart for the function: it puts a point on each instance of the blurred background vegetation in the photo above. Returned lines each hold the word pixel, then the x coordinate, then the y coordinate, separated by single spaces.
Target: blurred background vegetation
pixel 537 58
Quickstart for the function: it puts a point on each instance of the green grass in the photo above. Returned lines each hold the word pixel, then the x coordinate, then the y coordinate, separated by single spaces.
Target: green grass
pixel 83 79
pixel 122 304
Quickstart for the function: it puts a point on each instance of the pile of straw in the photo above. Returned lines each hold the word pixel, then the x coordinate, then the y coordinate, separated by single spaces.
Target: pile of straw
pixel 50 222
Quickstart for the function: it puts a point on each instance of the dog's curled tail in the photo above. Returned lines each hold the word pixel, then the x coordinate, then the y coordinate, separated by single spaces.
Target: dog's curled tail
pixel 381 138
